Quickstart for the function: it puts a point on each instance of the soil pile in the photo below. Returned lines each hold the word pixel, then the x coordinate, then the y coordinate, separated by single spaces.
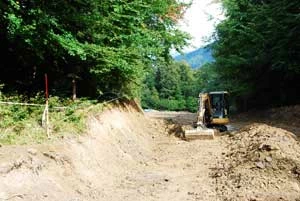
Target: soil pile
pixel 262 163
pixel 289 114
pixel 287 117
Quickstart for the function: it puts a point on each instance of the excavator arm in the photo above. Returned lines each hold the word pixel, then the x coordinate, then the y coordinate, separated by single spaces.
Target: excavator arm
pixel 204 111
pixel 203 119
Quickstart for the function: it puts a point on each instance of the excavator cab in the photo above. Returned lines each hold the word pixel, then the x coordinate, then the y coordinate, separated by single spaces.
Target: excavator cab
pixel 219 108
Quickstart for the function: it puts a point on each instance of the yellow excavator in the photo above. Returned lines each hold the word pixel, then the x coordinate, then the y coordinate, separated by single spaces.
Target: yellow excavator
pixel 212 115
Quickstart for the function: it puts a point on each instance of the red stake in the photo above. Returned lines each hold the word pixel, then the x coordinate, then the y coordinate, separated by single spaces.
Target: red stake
pixel 46 86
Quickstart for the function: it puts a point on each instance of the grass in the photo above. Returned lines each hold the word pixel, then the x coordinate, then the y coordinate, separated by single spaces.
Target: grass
pixel 23 124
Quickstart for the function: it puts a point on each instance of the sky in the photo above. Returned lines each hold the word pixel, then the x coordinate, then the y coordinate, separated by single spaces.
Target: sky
pixel 200 21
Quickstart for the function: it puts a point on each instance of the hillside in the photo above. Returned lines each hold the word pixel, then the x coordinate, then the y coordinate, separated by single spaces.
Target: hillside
pixel 196 58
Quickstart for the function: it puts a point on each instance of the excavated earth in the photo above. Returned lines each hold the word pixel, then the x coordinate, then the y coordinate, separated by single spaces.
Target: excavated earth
pixel 127 155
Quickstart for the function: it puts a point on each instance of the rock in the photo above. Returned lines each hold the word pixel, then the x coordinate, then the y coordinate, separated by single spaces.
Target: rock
pixel 216 174
pixel 262 185
pixel 49 155
pixel 296 170
pixel 5 168
pixel 268 159
pixel 268 147
pixel 260 165
pixel 295 186
pixel 252 199
pixel 32 151
pixel 264 147
pixel 269 165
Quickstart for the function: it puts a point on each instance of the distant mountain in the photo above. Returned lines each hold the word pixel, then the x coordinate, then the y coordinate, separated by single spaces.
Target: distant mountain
pixel 197 58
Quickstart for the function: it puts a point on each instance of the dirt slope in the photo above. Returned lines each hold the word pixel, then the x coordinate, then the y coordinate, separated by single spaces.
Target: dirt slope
pixel 129 156
pixel 78 169
pixel 125 156
pixel 287 117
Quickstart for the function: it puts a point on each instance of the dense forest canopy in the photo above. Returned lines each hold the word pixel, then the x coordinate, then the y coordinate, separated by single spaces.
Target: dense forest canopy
pixel 124 47
pixel 257 58
pixel 257 52
pixel 106 46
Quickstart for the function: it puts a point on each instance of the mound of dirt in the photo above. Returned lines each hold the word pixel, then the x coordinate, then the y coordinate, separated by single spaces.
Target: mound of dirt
pixel 286 117
pixel 287 113
pixel 262 163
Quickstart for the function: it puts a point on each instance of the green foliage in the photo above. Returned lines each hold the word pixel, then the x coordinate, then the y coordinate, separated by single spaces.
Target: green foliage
pixel 21 124
pixel 107 45
pixel 15 119
pixel 171 87
pixel 257 59
pixel 257 52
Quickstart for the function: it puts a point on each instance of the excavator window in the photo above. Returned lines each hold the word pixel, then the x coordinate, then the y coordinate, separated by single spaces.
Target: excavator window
pixel 226 105
pixel 217 100
pixel 220 106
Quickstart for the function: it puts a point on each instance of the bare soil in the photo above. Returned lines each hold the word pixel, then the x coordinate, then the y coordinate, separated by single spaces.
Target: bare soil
pixel 130 156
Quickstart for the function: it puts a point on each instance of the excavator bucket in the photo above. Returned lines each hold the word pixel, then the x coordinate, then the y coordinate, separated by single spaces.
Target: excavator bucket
pixel 200 133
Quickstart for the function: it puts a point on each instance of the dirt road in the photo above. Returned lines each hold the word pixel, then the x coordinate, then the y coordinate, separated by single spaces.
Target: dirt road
pixel 129 156
pixel 179 170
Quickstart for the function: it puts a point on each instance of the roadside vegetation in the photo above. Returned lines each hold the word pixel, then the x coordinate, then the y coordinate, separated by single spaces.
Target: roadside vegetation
pixel 22 124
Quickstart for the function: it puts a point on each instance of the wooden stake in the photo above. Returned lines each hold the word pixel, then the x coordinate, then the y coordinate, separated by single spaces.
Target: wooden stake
pixel 47 106
pixel 74 89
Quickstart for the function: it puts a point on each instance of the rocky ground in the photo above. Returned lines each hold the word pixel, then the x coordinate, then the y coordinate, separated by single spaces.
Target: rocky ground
pixel 262 163
pixel 130 156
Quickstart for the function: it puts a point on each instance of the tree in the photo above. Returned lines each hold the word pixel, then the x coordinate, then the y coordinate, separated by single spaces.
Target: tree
pixel 109 45
pixel 171 87
pixel 168 81
pixel 257 52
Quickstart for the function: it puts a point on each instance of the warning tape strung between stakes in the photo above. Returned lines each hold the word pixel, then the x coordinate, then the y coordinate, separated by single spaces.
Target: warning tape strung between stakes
pixel 43 105
pixel 28 104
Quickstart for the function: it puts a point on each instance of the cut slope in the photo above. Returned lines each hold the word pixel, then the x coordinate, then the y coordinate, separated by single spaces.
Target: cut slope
pixel 119 141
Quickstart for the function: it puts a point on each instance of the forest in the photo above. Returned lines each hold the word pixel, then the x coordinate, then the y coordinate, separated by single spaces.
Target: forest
pixel 257 59
pixel 105 47
pixel 122 48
